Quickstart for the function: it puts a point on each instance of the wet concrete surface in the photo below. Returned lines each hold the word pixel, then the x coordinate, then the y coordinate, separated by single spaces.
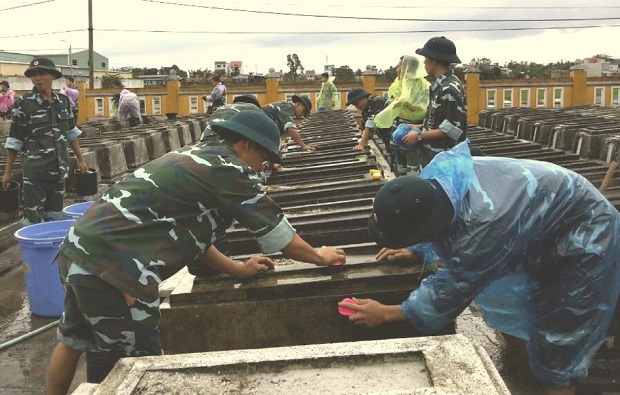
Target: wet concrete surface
pixel 23 365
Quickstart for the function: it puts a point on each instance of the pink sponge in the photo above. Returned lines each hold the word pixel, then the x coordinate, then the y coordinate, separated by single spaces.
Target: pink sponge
pixel 344 310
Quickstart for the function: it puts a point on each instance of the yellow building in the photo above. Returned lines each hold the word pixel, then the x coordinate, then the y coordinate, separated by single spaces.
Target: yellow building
pixel 574 90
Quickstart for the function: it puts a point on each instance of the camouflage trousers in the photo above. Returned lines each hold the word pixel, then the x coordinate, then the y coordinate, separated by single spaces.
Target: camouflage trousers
pixel 407 162
pixel 100 318
pixel 42 200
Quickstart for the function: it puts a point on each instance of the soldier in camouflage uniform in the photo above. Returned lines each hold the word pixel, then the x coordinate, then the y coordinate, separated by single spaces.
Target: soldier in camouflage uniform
pixel 42 129
pixel 240 103
pixel 283 114
pixel 167 214
pixel 369 106
pixel 445 123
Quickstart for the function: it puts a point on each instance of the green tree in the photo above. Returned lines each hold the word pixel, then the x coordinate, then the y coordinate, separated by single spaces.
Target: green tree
pixel 111 81
pixel 294 65
pixel 199 73
pixel 344 74
pixel 390 73
pixel 143 71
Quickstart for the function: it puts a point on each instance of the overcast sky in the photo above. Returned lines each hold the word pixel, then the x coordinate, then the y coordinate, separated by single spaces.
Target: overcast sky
pixel 128 32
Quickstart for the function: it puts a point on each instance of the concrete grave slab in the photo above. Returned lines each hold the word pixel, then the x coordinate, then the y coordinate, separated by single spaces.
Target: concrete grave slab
pixel 170 136
pixel 185 136
pixel 442 365
pixel 155 144
pixel 195 130
pixel 275 308
pixel 136 151
pixel 111 159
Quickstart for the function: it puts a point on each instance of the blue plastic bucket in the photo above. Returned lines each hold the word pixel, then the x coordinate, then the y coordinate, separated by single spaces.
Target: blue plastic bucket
pixel 75 211
pixel 39 245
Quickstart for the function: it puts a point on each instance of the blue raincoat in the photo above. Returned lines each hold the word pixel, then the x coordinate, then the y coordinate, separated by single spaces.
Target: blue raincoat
pixel 536 247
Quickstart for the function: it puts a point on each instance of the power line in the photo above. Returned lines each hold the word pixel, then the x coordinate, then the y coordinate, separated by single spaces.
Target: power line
pixel 26 5
pixel 379 18
pixel 453 7
pixel 43 34
pixel 359 32
pixel 365 32
pixel 43 50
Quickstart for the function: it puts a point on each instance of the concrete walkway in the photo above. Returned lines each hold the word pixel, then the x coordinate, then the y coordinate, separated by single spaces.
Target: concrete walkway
pixel 23 365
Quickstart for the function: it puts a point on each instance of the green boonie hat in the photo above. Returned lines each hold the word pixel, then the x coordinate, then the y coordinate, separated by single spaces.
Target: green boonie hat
pixel 355 95
pixel 43 64
pixel 247 99
pixel 305 100
pixel 255 126
pixel 439 48
pixel 405 212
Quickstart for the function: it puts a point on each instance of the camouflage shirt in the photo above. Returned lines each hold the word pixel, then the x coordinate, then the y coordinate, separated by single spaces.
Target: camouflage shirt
pixel 282 113
pixel 41 132
pixel 446 111
pixel 223 113
pixel 376 104
pixel 169 212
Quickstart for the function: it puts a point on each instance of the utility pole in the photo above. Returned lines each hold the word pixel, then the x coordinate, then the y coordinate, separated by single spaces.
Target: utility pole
pixel 71 60
pixel 91 70
pixel 70 57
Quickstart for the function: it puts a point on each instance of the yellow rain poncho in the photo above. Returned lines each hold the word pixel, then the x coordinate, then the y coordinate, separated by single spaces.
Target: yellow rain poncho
pixel 327 96
pixel 412 103
pixel 395 89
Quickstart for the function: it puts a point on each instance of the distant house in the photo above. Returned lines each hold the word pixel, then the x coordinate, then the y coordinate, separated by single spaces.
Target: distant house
pixel 74 63
pixel 235 66
pixel 221 66
pixel 153 80
pixel 601 65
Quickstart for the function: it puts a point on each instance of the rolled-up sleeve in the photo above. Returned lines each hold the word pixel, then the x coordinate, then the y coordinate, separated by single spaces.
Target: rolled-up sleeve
pixel 278 238
pixel 14 144
pixel 450 130
pixel 73 134
pixel 370 122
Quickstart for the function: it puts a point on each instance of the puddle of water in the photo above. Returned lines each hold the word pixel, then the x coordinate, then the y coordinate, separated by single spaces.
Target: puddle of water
pixel 23 365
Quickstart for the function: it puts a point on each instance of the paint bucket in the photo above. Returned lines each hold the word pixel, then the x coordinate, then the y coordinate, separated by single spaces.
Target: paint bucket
pixel 9 199
pixel 39 245
pixel 75 211
pixel 85 183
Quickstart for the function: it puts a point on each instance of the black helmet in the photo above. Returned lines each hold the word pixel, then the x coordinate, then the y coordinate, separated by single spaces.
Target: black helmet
pixel 255 126
pixel 439 48
pixel 44 64
pixel 356 94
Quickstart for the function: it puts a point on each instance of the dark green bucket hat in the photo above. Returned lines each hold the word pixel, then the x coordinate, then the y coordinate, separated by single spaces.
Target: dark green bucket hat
pixel 355 95
pixel 305 100
pixel 44 64
pixel 255 126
